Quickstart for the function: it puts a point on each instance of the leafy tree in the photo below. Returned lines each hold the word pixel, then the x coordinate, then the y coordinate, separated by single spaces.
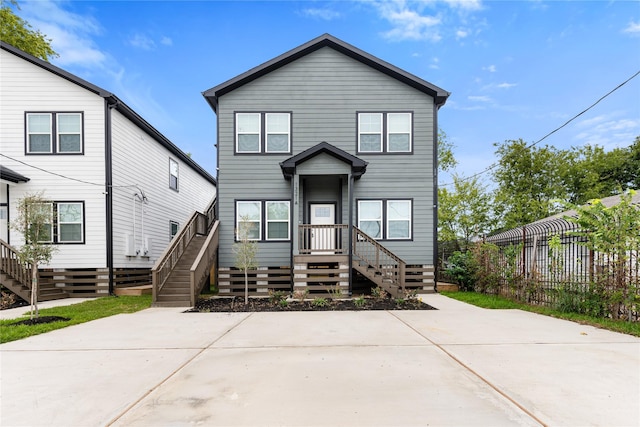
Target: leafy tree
pixel 529 181
pixel 446 160
pixel 614 233
pixel 245 251
pixel 34 222
pixel 19 33
pixel 464 211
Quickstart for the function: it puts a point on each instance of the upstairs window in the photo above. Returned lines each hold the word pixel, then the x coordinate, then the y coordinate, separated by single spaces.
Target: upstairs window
pixel 54 133
pixel 263 133
pixel 173 174
pixel 385 132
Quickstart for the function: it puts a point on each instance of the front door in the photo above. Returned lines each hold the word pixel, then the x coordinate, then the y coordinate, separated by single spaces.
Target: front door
pixel 323 239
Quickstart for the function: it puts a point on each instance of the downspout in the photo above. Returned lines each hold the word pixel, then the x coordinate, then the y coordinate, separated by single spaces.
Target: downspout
pixel 435 197
pixel 135 247
pixel 110 103
pixel 293 227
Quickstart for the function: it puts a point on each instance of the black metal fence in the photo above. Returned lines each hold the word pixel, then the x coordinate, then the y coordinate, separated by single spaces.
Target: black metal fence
pixel 545 263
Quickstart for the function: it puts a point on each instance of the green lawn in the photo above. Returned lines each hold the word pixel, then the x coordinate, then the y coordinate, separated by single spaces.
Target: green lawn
pixel 77 313
pixel 497 302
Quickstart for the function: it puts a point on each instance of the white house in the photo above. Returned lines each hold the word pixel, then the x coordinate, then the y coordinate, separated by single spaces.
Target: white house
pixel 119 189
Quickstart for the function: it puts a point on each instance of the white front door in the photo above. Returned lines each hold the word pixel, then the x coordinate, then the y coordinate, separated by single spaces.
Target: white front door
pixel 323 239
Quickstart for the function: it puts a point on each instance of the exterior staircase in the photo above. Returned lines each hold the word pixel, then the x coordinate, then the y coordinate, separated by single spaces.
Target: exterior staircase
pixel 177 290
pixel 182 271
pixel 378 264
pixel 16 277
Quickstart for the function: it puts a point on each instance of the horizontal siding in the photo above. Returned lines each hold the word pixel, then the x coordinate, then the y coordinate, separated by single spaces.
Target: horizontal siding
pixel 27 87
pixel 324 90
pixel 142 163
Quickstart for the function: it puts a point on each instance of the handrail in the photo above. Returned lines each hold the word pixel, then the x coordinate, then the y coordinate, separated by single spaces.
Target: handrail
pixel 329 238
pixel 11 265
pixel 199 269
pixel 388 264
pixel 169 258
pixel 210 214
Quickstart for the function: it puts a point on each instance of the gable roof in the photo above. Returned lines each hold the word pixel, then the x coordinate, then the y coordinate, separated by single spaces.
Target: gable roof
pixel 326 40
pixel 358 166
pixel 7 174
pixel 113 101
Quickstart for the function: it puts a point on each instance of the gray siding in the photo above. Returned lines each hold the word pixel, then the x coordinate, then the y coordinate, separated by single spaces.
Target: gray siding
pixel 324 90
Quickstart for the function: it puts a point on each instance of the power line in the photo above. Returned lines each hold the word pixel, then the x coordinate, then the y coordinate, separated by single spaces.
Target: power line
pixel 66 177
pixel 494 165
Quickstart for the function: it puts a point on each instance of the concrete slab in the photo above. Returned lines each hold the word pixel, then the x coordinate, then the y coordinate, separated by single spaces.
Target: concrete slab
pixel 459 365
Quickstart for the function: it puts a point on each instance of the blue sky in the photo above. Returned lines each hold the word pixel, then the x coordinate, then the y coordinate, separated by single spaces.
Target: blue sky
pixel 516 69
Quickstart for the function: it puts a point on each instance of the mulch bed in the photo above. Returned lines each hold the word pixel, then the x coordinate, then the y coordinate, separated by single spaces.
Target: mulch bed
pixel 236 304
pixel 40 320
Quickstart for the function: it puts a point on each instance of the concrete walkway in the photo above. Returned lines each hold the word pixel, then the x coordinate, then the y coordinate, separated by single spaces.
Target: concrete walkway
pixel 458 366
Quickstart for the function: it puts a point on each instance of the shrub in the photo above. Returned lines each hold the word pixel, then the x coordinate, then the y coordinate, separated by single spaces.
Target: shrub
pixel 462 268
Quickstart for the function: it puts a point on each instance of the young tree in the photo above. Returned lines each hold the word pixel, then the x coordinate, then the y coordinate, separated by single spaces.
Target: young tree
pixel 464 211
pixel 19 33
pixel 446 160
pixel 34 222
pixel 245 251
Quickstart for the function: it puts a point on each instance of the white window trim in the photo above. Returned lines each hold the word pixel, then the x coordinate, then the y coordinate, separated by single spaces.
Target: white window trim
pixel 50 133
pixel 259 133
pixel 239 218
pixel 60 223
pixel 361 219
pixel 389 133
pixel 398 220
pixel 268 221
pixel 58 133
pixel 360 133
pixel 267 133
pixel 171 175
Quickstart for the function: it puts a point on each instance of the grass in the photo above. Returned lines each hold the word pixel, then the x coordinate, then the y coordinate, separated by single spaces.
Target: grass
pixel 498 302
pixel 77 313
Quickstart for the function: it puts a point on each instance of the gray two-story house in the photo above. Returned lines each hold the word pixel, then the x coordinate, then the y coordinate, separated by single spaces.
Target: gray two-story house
pixel 327 159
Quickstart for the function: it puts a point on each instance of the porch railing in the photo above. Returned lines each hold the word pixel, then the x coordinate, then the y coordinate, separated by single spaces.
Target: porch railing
pixel 323 239
pixel 199 271
pixel 366 249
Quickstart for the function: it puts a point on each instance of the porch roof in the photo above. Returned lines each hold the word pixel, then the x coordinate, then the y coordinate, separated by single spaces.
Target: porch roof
pixel 358 166
pixel 7 174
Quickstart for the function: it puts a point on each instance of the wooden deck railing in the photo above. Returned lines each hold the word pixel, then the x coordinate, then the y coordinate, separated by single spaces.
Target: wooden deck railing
pixel 368 250
pixel 323 239
pixel 200 269
pixel 11 265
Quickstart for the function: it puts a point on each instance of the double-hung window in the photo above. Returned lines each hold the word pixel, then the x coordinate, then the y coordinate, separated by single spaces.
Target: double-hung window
pixel 263 133
pixel 54 133
pixel 385 132
pixel 173 174
pixel 61 222
pixel 274 214
pixel 385 219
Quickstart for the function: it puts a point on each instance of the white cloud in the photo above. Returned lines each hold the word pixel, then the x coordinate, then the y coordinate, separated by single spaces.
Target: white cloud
pixel 71 34
pixel 608 130
pixel 479 98
pixel 461 34
pixel 409 24
pixel 469 5
pixel 324 14
pixel 142 41
pixel 506 85
pixel 632 28
pixel 490 68
pixel 166 41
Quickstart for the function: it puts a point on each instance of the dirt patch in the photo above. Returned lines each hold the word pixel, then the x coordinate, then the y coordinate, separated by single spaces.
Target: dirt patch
pixel 236 304
pixel 41 320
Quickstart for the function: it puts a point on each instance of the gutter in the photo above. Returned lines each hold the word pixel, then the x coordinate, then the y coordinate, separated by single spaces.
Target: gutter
pixel 109 104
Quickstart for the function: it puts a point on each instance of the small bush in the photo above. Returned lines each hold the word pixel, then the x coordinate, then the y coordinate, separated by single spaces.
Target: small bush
pixel 320 302
pixel 462 268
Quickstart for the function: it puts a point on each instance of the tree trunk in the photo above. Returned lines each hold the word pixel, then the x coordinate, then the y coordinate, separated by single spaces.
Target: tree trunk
pixel 34 291
pixel 246 287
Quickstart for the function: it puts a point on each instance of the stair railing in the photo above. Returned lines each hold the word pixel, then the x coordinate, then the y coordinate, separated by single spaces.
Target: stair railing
pixel 199 270
pixel 173 252
pixel 11 265
pixel 368 250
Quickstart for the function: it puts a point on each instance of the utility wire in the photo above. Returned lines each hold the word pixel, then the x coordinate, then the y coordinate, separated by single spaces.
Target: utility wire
pixel 494 165
pixel 67 177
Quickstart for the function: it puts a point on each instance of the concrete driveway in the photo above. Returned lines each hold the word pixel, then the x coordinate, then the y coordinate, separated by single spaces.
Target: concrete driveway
pixel 460 365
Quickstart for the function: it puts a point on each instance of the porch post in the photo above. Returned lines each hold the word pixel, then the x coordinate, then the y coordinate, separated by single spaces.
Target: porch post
pixel 295 216
pixel 350 223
